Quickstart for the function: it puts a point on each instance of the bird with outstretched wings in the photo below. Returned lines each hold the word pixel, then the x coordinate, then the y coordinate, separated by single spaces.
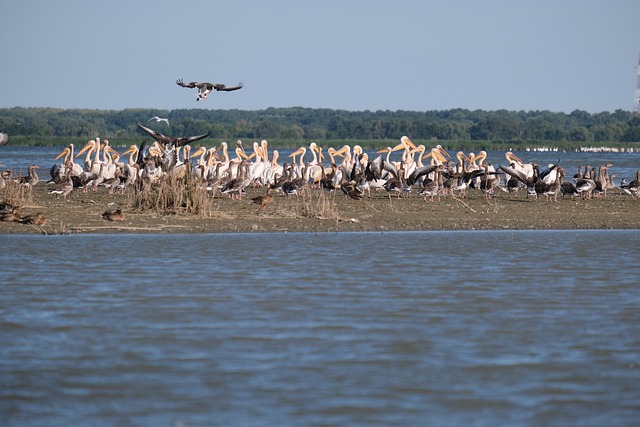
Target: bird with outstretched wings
pixel 205 88
pixel 168 142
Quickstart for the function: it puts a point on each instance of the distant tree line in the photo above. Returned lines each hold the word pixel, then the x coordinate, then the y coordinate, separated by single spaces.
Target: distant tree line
pixel 311 124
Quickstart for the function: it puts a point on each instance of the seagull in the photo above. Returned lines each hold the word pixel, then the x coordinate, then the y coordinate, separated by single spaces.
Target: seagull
pixel 205 88
pixel 159 119
pixel 168 142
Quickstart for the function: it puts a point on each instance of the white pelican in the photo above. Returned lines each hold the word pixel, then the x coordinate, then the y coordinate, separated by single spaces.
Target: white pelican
pixel 525 168
pixel 69 166
pixel 256 169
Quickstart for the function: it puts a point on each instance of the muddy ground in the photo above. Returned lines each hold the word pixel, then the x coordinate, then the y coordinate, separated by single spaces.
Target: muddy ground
pixel 323 211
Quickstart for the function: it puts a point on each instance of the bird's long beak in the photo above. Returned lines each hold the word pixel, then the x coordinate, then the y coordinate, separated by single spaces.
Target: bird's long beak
pixel 131 149
pixel 196 153
pixel 91 145
pixel 318 150
pixel 64 152
pixel 407 142
pixel 297 152
pixel 513 158
pixel 112 150
pixel 461 156
pixel 443 151
pixel 341 152
pixel 263 154
pixel 400 146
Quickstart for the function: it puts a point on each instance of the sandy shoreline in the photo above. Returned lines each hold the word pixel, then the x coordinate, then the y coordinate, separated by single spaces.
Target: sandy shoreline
pixel 322 211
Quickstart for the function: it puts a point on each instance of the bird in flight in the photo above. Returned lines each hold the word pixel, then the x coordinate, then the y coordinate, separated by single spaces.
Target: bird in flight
pixel 159 119
pixel 168 142
pixel 205 88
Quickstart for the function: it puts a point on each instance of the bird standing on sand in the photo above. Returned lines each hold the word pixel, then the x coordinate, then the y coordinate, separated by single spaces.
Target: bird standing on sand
pixel 64 187
pixel 205 88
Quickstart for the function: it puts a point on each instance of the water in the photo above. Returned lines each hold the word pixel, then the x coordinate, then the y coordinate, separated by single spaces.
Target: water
pixel 473 328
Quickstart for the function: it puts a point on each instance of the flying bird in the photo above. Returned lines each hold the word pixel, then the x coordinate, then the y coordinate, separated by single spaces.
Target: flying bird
pixel 168 141
pixel 159 119
pixel 205 88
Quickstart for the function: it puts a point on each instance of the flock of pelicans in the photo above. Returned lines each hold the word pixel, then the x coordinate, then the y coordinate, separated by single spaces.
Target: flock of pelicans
pixel 432 173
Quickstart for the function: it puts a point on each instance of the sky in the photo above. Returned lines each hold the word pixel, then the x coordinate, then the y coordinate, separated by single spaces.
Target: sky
pixel 417 55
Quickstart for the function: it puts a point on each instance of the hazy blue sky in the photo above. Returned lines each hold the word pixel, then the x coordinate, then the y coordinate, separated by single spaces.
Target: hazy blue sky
pixel 557 55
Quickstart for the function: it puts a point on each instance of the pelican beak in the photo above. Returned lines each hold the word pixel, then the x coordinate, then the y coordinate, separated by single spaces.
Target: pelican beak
pixel 263 154
pixel 400 146
pixel 130 150
pixel 438 156
pixel 112 150
pixel 244 155
pixel 155 151
pixel 196 153
pixel 64 152
pixel 407 142
pixel 462 156
pixel 297 152
pixel 91 145
pixel 443 151
pixel 427 155
pixel 512 157
pixel 341 152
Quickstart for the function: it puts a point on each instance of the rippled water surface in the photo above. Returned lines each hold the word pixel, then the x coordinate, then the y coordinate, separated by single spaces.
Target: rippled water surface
pixel 351 329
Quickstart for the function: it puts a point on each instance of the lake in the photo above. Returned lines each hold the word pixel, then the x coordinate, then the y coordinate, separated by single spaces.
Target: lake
pixel 469 328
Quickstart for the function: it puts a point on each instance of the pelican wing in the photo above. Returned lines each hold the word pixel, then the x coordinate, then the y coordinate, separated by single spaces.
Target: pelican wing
pixel 419 172
pixel 162 139
pixel 513 172
pixel 168 141
pixel 548 170
pixel 189 139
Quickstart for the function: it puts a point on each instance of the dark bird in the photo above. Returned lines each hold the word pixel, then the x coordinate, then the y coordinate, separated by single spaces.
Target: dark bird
pixel 205 88
pixel 351 189
pixel 632 188
pixel 263 200
pixel 64 187
pixel 31 179
pixel 169 142
pixel 9 216
pixel 113 215
pixel 37 219
pixel 8 208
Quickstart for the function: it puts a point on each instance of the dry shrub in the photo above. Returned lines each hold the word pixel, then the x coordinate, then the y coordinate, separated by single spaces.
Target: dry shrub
pixel 173 194
pixel 314 204
pixel 16 194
